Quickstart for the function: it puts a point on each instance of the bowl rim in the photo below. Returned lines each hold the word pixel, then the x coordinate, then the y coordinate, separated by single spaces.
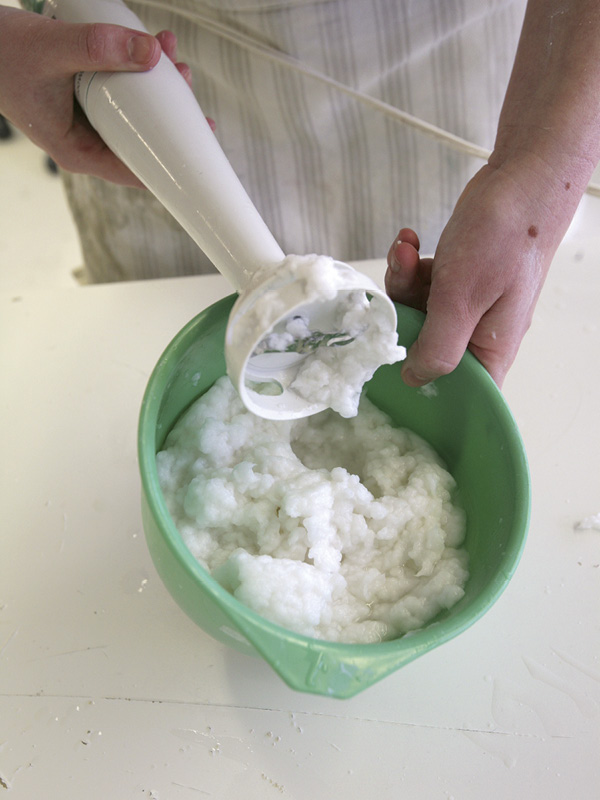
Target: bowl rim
pixel 421 640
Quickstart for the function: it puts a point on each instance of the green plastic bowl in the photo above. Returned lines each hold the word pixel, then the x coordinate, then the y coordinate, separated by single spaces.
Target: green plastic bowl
pixel 466 420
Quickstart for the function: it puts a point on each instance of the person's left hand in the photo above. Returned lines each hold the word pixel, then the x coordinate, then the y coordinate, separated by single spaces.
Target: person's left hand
pixel 480 289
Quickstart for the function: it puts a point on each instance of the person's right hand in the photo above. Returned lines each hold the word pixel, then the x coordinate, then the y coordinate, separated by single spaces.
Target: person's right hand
pixel 39 58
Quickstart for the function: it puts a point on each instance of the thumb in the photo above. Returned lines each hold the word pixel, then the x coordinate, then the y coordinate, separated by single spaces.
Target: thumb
pixel 441 343
pixel 98 47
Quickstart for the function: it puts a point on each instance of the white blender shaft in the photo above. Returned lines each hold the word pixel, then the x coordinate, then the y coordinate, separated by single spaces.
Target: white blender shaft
pixel 153 122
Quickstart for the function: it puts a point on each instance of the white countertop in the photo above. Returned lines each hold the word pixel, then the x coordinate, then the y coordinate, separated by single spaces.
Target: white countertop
pixel 107 690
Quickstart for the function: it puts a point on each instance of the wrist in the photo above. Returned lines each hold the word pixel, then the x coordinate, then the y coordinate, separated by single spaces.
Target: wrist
pixel 559 153
pixel 548 181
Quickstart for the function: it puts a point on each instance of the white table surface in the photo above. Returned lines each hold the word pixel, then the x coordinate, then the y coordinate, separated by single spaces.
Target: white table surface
pixel 107 690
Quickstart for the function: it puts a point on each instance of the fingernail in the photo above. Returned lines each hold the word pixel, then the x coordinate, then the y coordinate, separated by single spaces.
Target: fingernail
pixel 141 49
pixel 393 264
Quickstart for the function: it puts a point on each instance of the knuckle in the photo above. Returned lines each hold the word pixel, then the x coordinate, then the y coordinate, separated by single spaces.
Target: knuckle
pixel 95 43
pixel 432 360
pixel 435 364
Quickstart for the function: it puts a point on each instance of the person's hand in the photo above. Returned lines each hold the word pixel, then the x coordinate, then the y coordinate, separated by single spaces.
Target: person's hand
pixel 480 289
pixel 39 58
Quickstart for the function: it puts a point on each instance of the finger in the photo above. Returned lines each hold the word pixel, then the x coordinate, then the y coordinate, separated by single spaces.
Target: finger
pixel 83 151
pixel 406 235
pixel 408 276
pixel 497 337
pixel 442 342
pixel 410 236
pixel 168 42
pixel 401 277
pixel 185 71
pixel 79 149
pixel 87 47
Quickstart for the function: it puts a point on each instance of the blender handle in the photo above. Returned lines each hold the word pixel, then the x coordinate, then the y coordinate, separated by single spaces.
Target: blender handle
pixel 153 123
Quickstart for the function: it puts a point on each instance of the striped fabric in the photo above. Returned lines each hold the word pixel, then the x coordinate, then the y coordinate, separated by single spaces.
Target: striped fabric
pixel 314 102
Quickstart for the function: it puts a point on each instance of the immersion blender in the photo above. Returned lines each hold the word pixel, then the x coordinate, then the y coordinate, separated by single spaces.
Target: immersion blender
pixel 153 123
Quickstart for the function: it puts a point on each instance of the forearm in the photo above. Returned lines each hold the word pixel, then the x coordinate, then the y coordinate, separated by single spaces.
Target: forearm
pixel 549 128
